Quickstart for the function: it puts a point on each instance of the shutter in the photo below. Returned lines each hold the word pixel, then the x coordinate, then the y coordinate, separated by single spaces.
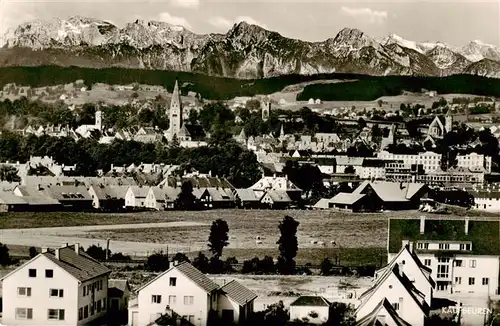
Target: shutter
pixel 61 293
pixel 30 313
pixel 61 314
pixel 28 292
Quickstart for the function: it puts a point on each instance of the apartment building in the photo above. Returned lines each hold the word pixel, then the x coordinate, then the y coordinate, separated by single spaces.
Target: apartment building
pixel 63 286
pixel 432 161
pixel 463 254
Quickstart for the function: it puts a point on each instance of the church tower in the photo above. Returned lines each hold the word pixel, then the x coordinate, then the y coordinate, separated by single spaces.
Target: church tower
pixel 175 112
pixel 266 110
pixel 448 121
pixel 98 119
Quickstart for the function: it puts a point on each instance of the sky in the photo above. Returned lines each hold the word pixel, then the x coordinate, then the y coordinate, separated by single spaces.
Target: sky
pixel 453 22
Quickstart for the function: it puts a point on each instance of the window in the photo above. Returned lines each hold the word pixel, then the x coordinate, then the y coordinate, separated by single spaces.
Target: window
pixel 80 314
pixel 100 285
pixel 85 312
pixel 104 303
pixel 458 263
pixel 84 291
pixel 155 298
pixel 188 300
pixel 472 281
pixel 24 313
pixel 56 293
pixel 172 299
pixel 472 264
pixel 427 262
pixel 443 271
pixel 56 314
pixel 173 281
pixel 395 305
pixel 420 245
pixel 49 273
pixel 458 280
pixel 486 281
pixel 32 273
pixel 444 246
pixel 24 292
pixel 99 306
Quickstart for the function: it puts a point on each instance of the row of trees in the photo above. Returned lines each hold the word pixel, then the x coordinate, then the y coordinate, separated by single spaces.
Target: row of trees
pixel 89 155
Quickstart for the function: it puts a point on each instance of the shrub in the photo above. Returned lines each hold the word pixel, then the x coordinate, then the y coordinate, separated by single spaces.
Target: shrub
pixel 180 257
pixel 33 252
pixel 97 252
pixel 157 262
pixel 120 257
pixel 5 259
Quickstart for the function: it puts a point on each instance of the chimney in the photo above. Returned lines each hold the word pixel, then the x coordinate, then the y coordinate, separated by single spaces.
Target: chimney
pixel 57 253
pixel 77 248
pixel 175 262
pixel 44 250
pixel 466 225
pixel 422 224
pixel 107 249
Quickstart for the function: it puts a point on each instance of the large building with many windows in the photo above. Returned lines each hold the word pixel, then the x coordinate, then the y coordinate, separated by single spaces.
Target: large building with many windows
pixel 64 286
pixel 432 161
pixel 463 254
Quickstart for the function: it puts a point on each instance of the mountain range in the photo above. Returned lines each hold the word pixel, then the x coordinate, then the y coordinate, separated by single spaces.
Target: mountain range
pixel 246 51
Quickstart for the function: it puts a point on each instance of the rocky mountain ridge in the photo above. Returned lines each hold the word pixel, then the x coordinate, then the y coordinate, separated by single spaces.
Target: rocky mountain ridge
pixel 245 51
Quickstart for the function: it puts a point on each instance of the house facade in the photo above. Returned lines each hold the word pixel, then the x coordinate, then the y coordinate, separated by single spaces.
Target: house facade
pixel 184 294
pixel 182 291
pixel 315 309
pixel 398 290
pixel 63 286
pixel 135 197
pixel 487 200
pixel 463 254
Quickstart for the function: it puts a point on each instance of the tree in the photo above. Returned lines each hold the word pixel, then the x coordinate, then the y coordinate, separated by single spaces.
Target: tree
pixel 5 259
pixel 201 263
pixel 33 252
pixel 218 238
pixel 349 170
pixel 157 262
pixel 326 267
pixel 9 174
pixel 180 257
pixel 287 245
pixel 97 252
pixel 186 200
pixel 341 314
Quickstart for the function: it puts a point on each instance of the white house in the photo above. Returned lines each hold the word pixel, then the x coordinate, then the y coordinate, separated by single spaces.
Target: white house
pixel 155 199
pixel 394 285
pixel 63 286
pixel 487 200
pixel 383 314
pixel 414 269
pixel 465 259
pixel 315 308
pixel 183 292
pixel 136 196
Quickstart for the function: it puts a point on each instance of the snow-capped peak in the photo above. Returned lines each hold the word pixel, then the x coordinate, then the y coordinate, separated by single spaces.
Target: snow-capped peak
pixel 396 39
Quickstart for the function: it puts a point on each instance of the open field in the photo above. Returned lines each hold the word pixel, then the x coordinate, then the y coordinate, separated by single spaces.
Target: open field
pixel 359 238
pixel 24 220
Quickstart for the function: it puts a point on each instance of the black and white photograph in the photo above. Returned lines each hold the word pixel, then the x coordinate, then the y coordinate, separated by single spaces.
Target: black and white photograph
pixel 249 162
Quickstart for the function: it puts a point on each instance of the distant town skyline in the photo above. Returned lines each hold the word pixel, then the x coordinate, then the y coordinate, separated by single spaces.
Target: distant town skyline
pixel 455 23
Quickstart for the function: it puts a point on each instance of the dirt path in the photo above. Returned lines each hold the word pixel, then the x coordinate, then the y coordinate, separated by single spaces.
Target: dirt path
pixel 56 237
